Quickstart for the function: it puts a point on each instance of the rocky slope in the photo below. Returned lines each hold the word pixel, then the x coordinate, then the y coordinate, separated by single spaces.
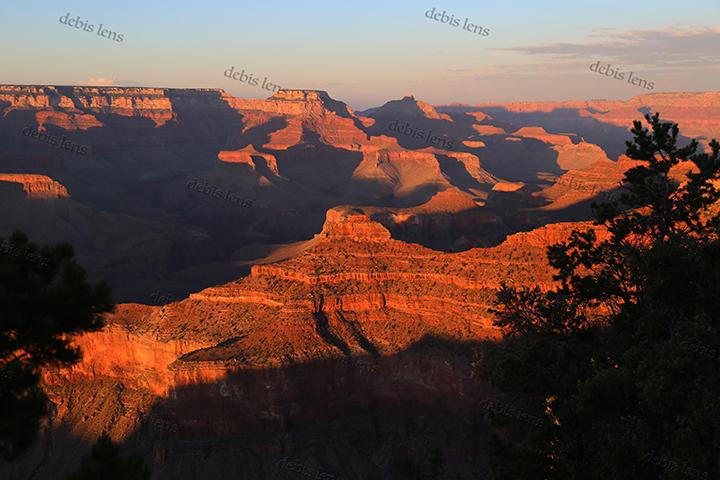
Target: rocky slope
pixel 31 186
pixel 291 158
pixel 253 367
pixel 607 123
pixel 332 318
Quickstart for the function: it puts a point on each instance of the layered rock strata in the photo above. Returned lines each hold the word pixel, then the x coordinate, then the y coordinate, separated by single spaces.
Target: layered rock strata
pixel 256 360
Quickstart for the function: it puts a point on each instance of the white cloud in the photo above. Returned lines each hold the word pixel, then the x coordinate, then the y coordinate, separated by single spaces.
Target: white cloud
pixel 101 82
pixel 671 48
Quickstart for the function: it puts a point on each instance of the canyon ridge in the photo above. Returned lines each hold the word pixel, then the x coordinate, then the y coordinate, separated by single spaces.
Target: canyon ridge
pixel 361 242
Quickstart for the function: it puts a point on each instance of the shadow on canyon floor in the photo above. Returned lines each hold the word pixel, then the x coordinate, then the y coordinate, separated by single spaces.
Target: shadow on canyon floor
pixel 326 413
pixel 609 137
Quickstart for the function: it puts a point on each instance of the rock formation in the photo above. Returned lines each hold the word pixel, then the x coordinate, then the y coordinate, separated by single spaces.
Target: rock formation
pixel 214 365
pixel 607 123
pixel 361 242
pixel 32 186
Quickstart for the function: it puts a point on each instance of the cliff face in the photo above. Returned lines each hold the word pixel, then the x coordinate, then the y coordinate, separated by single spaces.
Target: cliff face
pixel 307 110
pixel 242 373
pixel 251 157
pixel 138 361
pixel 607 123
pixel 256 364
pixel 409 108
pixel 601 181
pixel 353 273
pixel 74 103
pixel 333 299
pixel 295 155
pixel 31 186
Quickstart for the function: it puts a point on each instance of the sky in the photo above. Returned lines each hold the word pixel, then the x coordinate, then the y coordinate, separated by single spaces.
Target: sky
pixel 368 53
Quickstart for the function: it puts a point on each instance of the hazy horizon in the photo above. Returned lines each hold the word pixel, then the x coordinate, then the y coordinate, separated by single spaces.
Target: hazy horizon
pixel 366 54
pixel 288 287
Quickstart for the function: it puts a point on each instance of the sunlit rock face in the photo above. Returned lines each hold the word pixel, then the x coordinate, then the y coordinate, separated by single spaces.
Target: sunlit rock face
pixel 337 312
pixel 32 186
pixel 607 123
pixel 246 357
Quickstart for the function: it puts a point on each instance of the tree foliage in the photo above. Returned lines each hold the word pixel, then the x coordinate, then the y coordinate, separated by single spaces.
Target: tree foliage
pixel 407 469
pixel 105 462
pixel 41 305
pixel 608 355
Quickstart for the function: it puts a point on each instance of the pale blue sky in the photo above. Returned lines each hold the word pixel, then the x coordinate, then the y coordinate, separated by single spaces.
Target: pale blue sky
pixel 368 53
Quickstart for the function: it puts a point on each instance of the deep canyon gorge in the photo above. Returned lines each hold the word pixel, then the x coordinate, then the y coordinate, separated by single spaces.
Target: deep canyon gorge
pixel 360 243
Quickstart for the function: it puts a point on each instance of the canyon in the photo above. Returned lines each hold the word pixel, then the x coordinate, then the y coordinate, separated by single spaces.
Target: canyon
pixel 361 243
